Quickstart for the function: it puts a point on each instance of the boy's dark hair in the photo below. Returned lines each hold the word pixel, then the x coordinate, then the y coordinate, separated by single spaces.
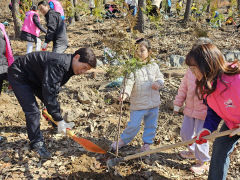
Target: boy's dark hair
pixel 144 42
pixel 44 3
pixel 87 56
pixel 33 8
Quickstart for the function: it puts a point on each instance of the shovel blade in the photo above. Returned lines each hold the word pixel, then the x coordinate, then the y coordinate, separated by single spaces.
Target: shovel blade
pixel 88 145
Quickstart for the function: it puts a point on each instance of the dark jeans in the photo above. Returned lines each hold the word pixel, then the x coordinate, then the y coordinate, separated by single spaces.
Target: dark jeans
pixel 26 98
pixel 2 77
pixel 222 148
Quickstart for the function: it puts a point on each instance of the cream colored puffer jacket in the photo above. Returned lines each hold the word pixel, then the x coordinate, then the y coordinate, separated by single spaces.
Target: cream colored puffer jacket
pixel 139 87
pixel 156 3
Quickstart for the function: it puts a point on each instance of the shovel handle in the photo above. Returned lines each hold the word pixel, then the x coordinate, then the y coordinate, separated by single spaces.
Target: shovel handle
pixel 48 116
pixel 164 148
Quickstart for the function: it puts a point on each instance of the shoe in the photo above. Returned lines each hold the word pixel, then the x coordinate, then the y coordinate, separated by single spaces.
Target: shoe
pixel 145 147
pixel 120 144
pixel 2 139
pixel 40 148
pixel 187 154
pixel 200 168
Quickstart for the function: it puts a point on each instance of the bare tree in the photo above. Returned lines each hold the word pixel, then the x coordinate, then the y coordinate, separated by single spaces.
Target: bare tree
pixel 208 6
pixel 76 14
pixel 187 11
pixel 141 16
pixel 16 20
pixel 238 5
pixel 71 18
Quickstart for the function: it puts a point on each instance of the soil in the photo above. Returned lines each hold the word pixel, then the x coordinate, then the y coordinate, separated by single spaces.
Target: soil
pixel 95 111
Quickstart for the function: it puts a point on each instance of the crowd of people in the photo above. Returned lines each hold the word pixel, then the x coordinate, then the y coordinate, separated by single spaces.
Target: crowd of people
pixel 210 89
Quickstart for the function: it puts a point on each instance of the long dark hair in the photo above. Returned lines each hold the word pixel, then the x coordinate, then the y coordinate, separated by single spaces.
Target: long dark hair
pixel 211 63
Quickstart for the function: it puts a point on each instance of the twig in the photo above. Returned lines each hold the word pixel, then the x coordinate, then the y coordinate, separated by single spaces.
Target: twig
pixel 120 117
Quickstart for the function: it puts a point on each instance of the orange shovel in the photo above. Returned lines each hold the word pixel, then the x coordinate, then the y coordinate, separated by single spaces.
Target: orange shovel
pixel 88 145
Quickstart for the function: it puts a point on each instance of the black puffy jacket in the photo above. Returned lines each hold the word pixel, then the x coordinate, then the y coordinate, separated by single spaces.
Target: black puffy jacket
pixel 56 31
pixel 45 72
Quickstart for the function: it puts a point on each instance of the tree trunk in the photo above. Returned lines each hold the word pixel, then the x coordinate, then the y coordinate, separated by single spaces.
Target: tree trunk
pixel 141 16
pixel 16 20
pixel 187 11
pixel 71 18
pixel 208 6
pixel 238 5
pixel 76 14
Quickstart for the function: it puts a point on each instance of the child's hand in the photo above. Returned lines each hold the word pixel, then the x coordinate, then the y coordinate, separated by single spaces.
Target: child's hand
pixel 175 112
pixel 176 109
pixel 44 46
pixel 122 97
pixel 155 86
pixel 236 132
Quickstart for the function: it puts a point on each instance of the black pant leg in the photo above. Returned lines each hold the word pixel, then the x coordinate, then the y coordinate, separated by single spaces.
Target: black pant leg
pixel 27 100
pixel 38 93
pixel 2 77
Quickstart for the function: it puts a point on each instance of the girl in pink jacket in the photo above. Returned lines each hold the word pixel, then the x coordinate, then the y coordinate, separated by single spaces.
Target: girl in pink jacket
pixel 31 29
pixel 194 115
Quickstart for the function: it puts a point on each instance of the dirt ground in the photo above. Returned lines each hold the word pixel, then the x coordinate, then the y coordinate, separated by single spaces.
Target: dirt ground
pixel 96 118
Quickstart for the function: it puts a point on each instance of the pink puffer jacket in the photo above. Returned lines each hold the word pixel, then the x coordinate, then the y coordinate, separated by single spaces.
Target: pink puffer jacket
pixel 186 93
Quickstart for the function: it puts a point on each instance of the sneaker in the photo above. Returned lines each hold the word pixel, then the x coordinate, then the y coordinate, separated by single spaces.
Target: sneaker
pixel 2 139
pixel 187 154
pixel 200 168
pixel 40 148
pixel 145 147
pixel 120 144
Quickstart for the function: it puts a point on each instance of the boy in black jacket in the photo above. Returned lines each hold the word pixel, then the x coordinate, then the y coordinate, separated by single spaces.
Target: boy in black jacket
pixel 56 28
pixel 41 74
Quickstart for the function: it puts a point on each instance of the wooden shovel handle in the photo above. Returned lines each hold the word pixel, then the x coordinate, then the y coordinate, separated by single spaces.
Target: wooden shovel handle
pixel 48 116
pixel 164 148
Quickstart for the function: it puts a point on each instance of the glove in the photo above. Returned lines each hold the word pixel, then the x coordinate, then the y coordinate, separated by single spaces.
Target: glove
pixel 44 46
pixel 201 134
pixel 236 132
pixel 62 126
